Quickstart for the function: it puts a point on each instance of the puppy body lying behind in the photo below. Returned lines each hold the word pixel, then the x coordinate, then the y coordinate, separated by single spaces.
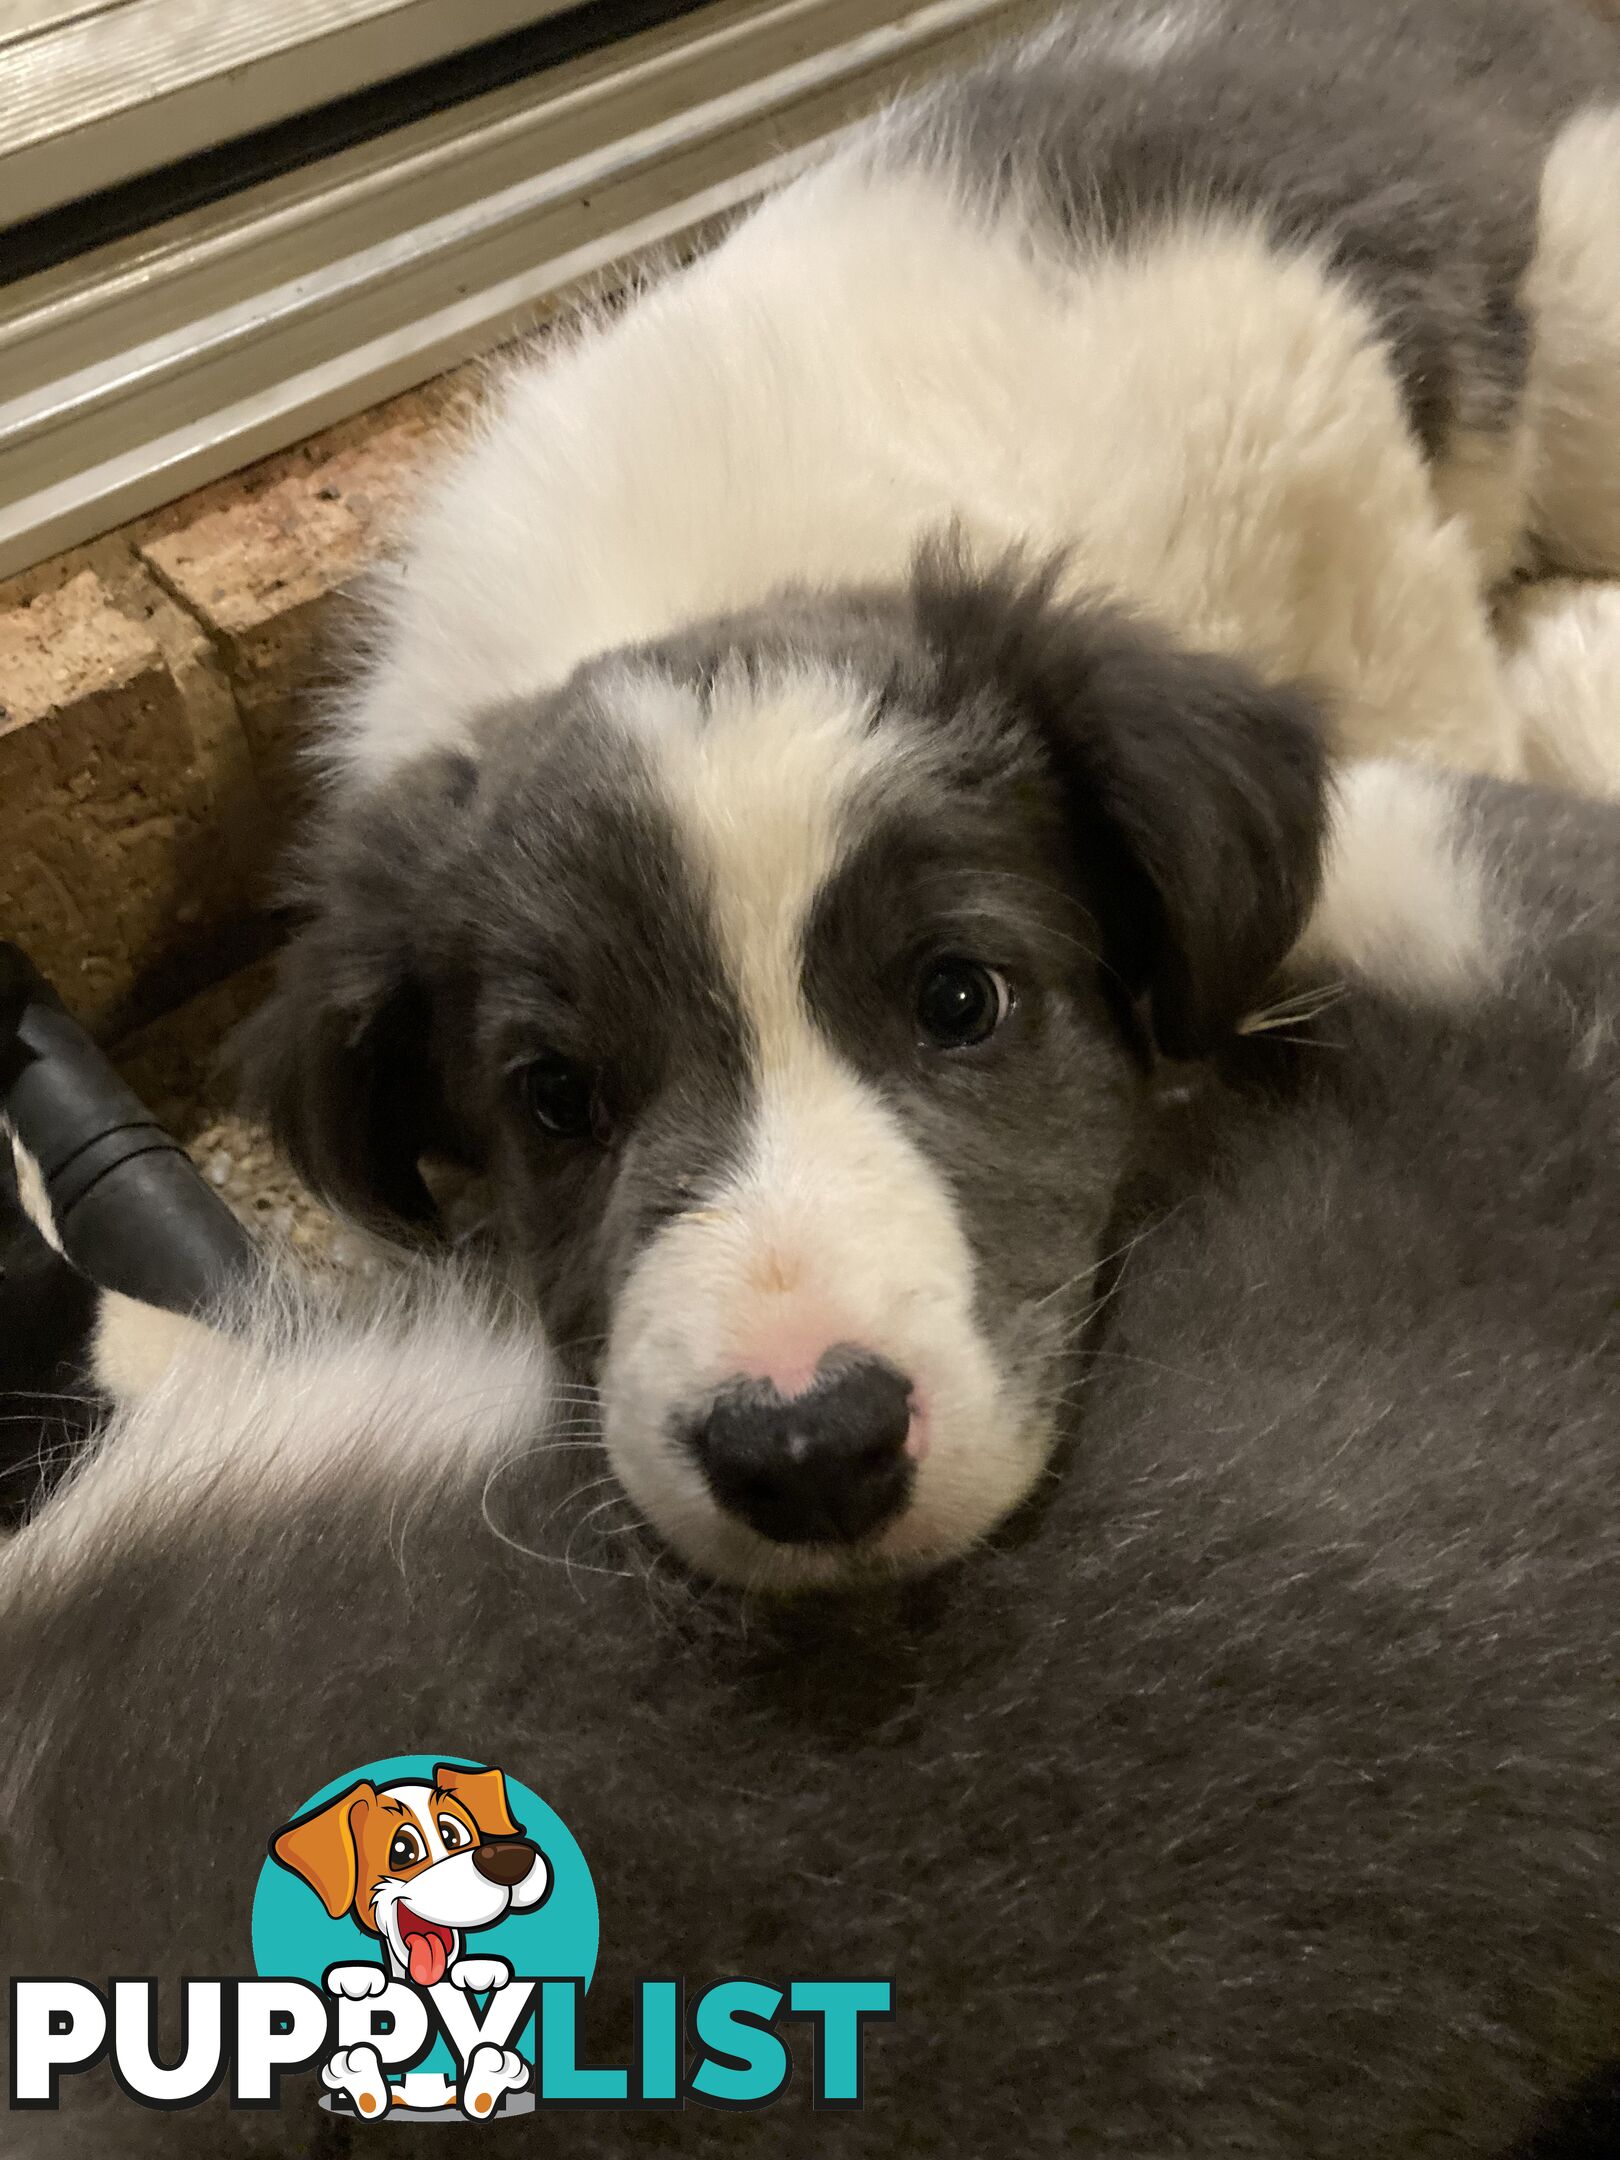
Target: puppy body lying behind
pixel 785 928
pixel 1292 323
pixel 1254 1796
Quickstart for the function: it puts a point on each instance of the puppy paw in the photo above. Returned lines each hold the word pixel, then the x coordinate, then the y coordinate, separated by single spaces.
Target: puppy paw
pixel 355 1982
pixel 358 2071
pixel 491 2072
pixel 478 1975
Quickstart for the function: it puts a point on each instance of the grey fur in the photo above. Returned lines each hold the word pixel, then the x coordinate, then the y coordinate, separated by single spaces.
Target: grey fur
pixel 1071 796
pixel 1404 138
pixel 1255 1796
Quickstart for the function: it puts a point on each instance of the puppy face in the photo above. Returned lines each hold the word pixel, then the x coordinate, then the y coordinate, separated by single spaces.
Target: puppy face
pixel 412 1864
pixel 787 978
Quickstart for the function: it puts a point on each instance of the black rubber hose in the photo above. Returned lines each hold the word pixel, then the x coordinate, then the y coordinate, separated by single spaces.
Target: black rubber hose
pixel 130 1208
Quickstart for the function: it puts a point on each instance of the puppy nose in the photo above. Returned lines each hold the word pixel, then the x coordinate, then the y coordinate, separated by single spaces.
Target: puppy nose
pixel 505 1861
pixel 823 1467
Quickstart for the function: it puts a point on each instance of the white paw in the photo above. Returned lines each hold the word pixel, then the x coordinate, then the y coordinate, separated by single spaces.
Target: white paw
pixel 491 2072
pixel 356 1982
pixel 358 2071
pixel 478 1975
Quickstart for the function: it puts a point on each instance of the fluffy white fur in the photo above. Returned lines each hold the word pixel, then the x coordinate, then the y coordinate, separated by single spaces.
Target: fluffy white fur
pixel 1484 485
pixel 1205 424
pixel 1408 901
pixel 1574 297
pixel 135 1345
pixel 1563 675
pixel 425 1387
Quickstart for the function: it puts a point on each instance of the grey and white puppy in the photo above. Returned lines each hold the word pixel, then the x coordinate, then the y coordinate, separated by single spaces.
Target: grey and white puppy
pixel 1256 1797
pixel 788 929
pixel 822 1132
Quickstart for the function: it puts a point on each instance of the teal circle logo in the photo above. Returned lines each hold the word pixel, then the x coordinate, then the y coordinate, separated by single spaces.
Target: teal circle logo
pixel 427 1827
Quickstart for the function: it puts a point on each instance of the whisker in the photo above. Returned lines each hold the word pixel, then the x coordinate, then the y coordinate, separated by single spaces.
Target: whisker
pixel 1301 1005
pixel 1121 1253
pixel 530 1552
pixel 614 1499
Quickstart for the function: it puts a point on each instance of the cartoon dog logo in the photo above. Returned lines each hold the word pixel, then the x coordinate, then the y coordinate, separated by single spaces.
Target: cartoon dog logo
pixel 420 1866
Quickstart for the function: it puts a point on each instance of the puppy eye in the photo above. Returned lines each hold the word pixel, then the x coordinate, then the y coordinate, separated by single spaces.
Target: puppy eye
pixel 564 1098
pixel 407 1848
pixel 961 1002
pixel 453 1832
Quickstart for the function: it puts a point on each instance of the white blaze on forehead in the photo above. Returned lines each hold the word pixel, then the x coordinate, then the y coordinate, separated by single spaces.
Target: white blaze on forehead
pixel 832 1226
pixel 763 780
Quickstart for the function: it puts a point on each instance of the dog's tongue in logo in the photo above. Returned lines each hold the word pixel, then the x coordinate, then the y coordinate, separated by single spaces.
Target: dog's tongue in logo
pixel 427 1945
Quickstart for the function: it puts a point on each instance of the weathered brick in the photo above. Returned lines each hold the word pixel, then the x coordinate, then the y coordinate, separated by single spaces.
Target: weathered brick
pixel 262 560
pixel 153 688
pixel 123 792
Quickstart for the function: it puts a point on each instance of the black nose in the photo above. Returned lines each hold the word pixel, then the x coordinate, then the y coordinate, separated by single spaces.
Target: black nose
pixel 503 1860
pixel 823 1468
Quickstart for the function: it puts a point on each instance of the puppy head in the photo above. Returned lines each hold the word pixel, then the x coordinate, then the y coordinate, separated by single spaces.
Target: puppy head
pixel 418 1864
pixel 792 979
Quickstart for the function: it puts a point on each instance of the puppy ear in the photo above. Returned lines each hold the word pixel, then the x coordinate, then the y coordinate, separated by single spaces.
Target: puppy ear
pixel 1196 793
pixel 340 1060
pixel 483 1794
pixel 345 1082
pixel 323 1848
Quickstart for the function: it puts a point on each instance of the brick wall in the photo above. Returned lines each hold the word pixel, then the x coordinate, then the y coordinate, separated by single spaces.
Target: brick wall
pixel 155 688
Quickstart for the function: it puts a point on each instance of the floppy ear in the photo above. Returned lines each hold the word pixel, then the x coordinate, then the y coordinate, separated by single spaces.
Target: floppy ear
pixel 346 1084
pixel 483 1794
pixel 1196 793
pixel 340 1060
pixel 323 1848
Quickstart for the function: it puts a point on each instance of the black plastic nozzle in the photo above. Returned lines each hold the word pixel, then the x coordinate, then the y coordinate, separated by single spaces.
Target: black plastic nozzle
pixel 130 1209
